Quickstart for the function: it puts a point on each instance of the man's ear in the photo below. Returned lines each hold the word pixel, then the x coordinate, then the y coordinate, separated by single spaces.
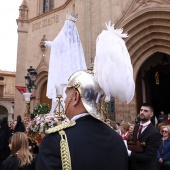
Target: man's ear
pixel 76 98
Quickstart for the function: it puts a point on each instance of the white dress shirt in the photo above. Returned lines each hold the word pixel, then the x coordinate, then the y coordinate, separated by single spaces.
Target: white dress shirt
pixel 145 125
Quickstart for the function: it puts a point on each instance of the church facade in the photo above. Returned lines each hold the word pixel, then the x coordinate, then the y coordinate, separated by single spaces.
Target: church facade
pixel 146 22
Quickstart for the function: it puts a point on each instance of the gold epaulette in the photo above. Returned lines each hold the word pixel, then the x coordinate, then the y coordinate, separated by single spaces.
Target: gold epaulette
pixel 65 152
pixel 61 127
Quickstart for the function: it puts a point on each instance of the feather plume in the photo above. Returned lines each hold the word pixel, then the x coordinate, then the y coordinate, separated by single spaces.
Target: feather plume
pixel 112 65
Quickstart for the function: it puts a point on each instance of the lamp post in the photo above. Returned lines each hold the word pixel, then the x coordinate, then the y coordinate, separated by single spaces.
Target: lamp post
pixel 30 79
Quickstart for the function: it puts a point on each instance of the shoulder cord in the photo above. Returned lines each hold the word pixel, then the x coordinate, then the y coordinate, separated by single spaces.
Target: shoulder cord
pixel 65 153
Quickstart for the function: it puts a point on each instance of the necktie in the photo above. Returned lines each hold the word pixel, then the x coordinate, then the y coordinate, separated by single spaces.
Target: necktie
pixel 139 131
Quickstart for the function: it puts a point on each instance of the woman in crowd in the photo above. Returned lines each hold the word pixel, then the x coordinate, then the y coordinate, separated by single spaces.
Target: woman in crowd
pixel 163 153
pixel 112 124
pixel 160 126
pixel 131 128
pixel 19 127
pixel 4 137
pixel 124 130
pixel 21 157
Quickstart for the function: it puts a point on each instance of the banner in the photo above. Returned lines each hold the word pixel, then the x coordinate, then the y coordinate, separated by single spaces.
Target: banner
pixel 22 89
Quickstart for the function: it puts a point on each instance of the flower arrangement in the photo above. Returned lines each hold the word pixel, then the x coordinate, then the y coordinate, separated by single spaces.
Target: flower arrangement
pixel 43 120
pixel 42 108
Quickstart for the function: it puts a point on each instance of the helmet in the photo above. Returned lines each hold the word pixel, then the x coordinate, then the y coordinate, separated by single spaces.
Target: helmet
pixel 89 90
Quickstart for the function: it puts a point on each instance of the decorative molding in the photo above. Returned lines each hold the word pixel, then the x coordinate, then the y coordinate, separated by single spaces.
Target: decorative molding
pixel 42 15
pixel 43 66
pixel 142 5
pixel 51 12
pixel 23 11
pixel 22 31
pixel 41 79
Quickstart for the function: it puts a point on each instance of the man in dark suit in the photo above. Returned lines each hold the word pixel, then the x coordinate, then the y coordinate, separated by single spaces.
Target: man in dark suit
pixel 86 142
pixel 143 157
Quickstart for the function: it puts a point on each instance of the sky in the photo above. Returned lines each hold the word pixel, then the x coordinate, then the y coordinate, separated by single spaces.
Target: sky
pixel 8 34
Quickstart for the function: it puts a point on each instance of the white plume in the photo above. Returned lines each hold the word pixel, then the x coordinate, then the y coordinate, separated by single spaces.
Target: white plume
pixel 112 65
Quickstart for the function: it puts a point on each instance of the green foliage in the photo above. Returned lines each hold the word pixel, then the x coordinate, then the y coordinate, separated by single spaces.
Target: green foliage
pixel 42 108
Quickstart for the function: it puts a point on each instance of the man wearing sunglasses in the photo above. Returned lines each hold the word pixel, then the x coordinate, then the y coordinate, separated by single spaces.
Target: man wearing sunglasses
pixel 163 154
pixel 146 141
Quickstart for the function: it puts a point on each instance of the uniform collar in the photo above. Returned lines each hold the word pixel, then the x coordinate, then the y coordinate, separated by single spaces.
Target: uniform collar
pixel 79 116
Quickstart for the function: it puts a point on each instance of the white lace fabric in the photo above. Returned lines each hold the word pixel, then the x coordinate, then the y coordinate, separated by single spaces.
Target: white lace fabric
pixel 66 57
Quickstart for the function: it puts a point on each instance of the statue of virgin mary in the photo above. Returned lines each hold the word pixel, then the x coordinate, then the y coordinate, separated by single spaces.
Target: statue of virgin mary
pixel 66 56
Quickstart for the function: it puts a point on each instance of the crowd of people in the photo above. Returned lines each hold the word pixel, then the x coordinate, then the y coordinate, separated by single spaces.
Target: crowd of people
pixel 149 148
pixel 85 142
pixel 15 150
pixel 155 153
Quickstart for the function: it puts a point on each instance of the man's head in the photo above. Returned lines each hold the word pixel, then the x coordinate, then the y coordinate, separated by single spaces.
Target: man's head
pixel 83 91
pixel 168 115
pixel 124 127
pixel 146 112
pixel 162 112
pixel 73 103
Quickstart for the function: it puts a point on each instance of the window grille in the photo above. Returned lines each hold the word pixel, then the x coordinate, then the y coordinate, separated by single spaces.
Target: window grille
pixel 48 5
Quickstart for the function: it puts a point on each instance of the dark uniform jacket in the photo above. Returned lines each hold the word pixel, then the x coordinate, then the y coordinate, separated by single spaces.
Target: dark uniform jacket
pixel 147 159
pixel 93 146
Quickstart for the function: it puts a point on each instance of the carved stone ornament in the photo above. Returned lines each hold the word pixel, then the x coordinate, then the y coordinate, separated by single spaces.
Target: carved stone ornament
pixel 143 5
pixel 42 44
pixel 150 3
pixel 23 10
pixel 42 65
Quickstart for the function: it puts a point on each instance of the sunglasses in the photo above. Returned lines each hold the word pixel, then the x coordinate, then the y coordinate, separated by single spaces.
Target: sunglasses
pixel 164 131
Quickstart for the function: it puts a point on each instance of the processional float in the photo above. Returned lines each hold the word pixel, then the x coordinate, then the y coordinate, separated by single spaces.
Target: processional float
pixel 112 68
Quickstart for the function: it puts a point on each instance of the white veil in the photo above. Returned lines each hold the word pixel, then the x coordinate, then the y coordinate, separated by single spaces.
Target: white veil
pixel 66 57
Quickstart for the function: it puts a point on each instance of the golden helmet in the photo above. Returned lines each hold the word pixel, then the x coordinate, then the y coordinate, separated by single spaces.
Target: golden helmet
pixel 89 89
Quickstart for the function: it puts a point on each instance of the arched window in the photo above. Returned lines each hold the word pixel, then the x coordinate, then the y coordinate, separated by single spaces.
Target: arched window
pixel 1 78
pixel 48 5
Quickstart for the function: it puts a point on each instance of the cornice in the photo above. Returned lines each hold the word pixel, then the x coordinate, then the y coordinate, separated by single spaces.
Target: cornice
pixel 10 74
pixel 22 31
pixel 9 98
pixel 22 20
